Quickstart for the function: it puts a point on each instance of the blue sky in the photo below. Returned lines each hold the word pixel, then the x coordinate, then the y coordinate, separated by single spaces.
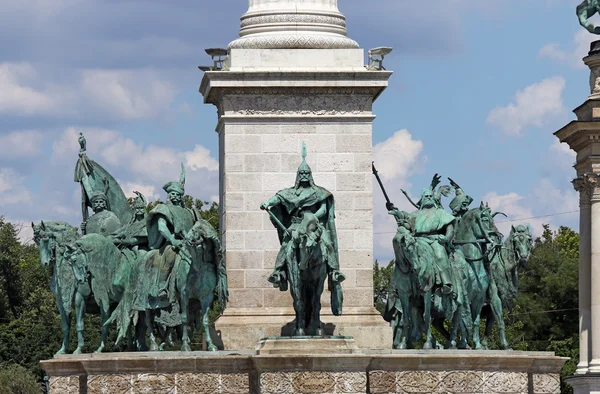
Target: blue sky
pixel 478 89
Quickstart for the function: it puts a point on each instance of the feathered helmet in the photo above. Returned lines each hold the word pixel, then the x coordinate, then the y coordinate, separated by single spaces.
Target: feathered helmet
pixel 179 187
pixel 140 201
pixel 305 168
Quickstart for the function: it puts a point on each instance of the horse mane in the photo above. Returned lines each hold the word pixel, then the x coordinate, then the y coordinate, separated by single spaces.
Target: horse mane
pixel 63 231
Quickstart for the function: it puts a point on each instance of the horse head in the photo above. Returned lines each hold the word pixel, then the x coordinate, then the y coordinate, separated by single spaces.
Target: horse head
pixel 77 260
pixel 522 243
pixel 49 238
pixel 46 243
pixel 307 237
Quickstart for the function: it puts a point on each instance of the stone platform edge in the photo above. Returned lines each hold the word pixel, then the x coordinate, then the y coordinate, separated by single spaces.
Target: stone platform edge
pixel 367 371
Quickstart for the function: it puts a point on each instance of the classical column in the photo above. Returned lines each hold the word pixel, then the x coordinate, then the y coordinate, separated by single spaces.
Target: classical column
pixel 583 137
pixel 585 189
pixel 594 193
pixel 294 76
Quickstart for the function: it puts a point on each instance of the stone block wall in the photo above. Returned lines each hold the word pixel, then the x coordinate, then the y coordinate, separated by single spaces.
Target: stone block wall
pixel 260 158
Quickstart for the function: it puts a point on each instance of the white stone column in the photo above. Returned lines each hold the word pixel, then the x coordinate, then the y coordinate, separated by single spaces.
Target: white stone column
pixel 592 180
pixel 585 279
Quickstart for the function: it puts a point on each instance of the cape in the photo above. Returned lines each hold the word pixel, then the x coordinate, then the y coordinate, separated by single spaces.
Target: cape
pixel 91 176
pixel 180 221
pixel 430 221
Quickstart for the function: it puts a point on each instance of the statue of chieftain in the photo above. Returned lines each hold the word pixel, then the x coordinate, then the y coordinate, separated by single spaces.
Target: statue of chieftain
pixel 304 216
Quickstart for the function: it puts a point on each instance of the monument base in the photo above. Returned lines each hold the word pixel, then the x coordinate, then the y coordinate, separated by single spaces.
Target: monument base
pixel 306 346
pixel 589 383
pixel 367 371
pixel 242 328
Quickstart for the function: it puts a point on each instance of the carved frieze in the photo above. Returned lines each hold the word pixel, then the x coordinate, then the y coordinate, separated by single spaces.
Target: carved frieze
pixel 305 105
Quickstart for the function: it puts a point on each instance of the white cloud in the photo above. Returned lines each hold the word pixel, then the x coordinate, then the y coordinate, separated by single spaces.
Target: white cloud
pixel 536 105
pixel 572 57
pixel 200 158
pixel 396 159
pixel 540 207
pixel 148 191
pixel 115 94
pixel 25 143
pixel 140 166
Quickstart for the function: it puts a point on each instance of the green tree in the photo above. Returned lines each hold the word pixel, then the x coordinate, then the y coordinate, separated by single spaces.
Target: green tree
pixel 14 379
pixel 546 313
pixel 381 284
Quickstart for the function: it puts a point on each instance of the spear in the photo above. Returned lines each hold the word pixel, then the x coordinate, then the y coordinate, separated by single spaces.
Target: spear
pixel 388 203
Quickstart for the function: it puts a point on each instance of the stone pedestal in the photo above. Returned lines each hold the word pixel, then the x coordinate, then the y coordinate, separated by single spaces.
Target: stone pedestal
pixel 390 371
pixel 306 346
pixel 294 76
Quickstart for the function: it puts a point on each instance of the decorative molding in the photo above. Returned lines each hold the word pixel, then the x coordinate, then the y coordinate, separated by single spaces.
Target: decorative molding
pixel 298 18
pixel 587 186
pixel 294 41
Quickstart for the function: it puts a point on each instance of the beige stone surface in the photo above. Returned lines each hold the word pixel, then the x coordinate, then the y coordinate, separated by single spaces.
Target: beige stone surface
pixel 384 371
pixel 306 346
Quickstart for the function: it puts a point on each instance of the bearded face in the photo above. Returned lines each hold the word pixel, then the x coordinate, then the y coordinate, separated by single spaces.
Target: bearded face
pixel 98 205
pixel 175 197
pixel 304 177
pixel 427 200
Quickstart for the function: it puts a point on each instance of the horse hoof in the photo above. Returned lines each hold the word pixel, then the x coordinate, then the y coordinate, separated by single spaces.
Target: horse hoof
pixel 99 350
pixel 186 348
pixel 61 351
pixel 161 347
pixel 78 351
pixel 299 332
pixel 427 346
pixel 319 332
pixel 212 348
pixel 403 346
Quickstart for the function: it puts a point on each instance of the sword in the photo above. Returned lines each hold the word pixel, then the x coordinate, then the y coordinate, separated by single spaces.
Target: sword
pixel 277 221
pixel 389 206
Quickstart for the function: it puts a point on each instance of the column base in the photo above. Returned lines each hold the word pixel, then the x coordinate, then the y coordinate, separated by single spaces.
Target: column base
pixel 243 328
pixel 582 368
pixel 586 384
pixel 594 366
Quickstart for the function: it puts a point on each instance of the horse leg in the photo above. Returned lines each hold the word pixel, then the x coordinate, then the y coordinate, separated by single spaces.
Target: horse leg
pixel 150 325
pixel 476 315
pixel 65 323
pixel 429 341
pixel 206 303
pixel 497 315
pixel 104 313
pixel 405 324
pixel 184 304
pixel 79 314
pixel 316 305
pixel 140 332
pixel 438 324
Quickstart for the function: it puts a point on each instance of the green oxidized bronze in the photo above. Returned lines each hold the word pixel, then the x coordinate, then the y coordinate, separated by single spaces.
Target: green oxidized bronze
pixel 448 266
pixel 145 264
pixel 304 216
pixel 585 11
